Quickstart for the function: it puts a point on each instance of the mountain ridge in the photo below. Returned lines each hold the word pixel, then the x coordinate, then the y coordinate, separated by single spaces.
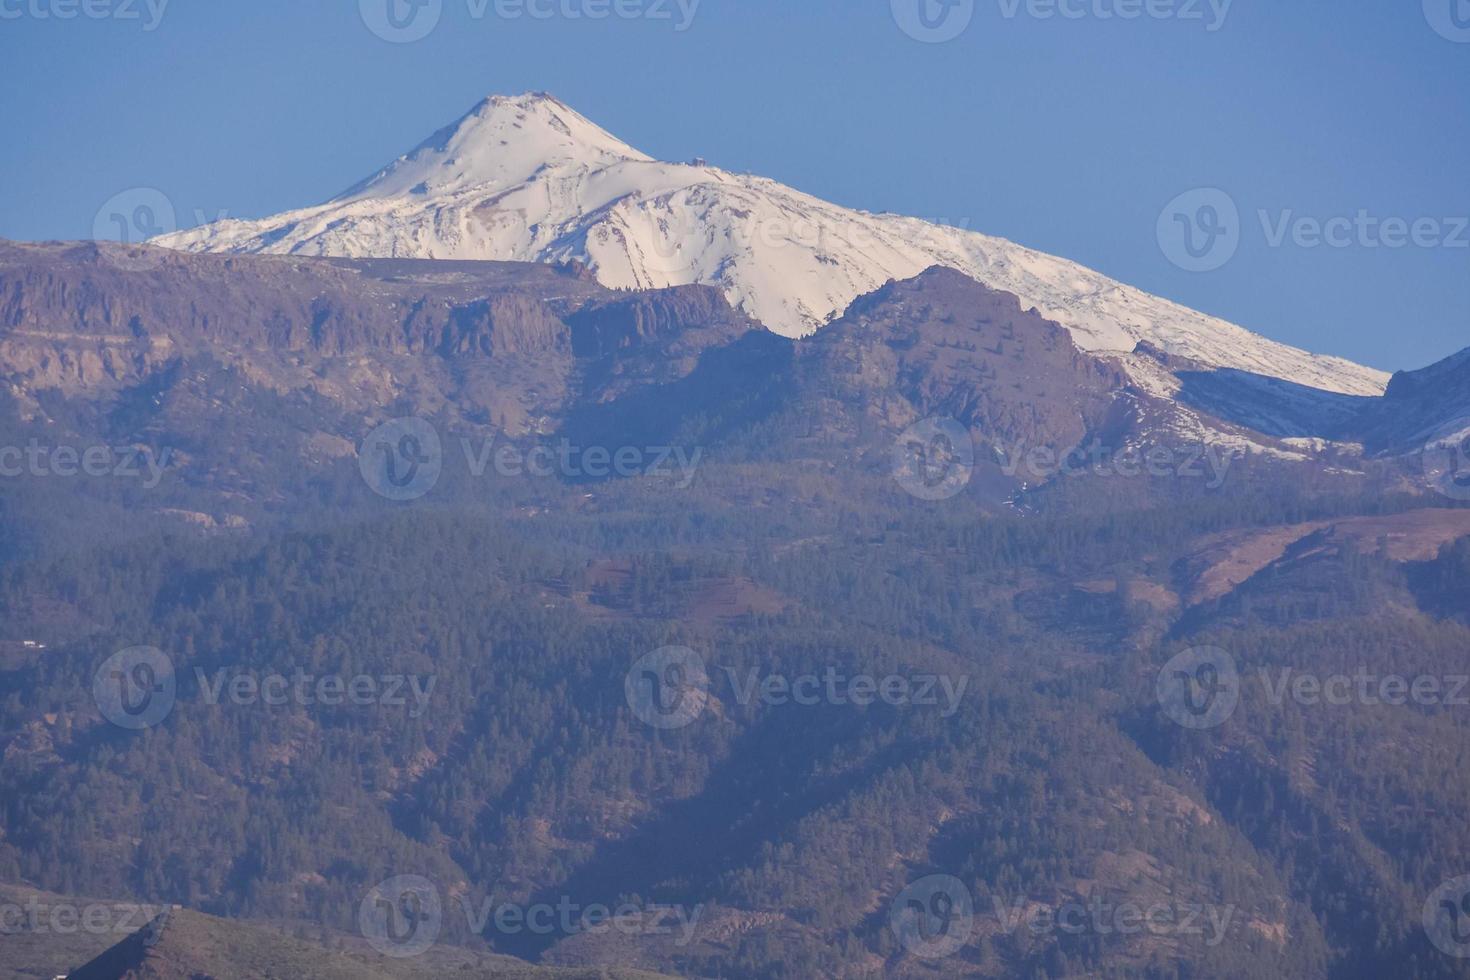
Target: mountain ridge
pixel 824 529
pixel 526 178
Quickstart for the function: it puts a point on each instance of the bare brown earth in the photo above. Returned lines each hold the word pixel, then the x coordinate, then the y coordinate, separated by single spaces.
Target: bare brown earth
pixel 1226 561
pixel 605 594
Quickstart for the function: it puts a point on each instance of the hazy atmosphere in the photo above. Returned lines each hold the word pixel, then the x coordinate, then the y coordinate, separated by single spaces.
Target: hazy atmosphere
pixel 650 489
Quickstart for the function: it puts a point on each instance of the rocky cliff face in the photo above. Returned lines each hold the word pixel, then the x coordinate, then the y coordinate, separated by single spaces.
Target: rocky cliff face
pixel 947 345
pixel 1419 407
pixel 253 363
pixel 605 327
pixel 83 318
pixel 89 291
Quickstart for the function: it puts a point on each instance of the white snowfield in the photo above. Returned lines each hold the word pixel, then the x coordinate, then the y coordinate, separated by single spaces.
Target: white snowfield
pixel 528 179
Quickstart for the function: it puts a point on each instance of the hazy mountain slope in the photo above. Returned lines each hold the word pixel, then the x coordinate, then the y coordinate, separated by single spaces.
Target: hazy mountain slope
pixel 260 375
pixel 1430 405
pixel 495 341
pixel 188 945
pixel 939 356
pixel 31 949
pixel 793 828
pixel 527 178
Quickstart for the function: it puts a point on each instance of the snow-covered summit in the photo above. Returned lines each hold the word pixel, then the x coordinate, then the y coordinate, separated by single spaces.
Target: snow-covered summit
pixel 527 178
pixel 501 142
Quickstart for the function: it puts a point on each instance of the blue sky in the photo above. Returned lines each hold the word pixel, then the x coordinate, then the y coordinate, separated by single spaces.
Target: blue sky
pixel 1070 134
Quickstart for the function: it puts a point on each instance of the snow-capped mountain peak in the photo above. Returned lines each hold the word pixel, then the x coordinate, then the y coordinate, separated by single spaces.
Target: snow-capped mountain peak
pixel 499 143
pixel 526 178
